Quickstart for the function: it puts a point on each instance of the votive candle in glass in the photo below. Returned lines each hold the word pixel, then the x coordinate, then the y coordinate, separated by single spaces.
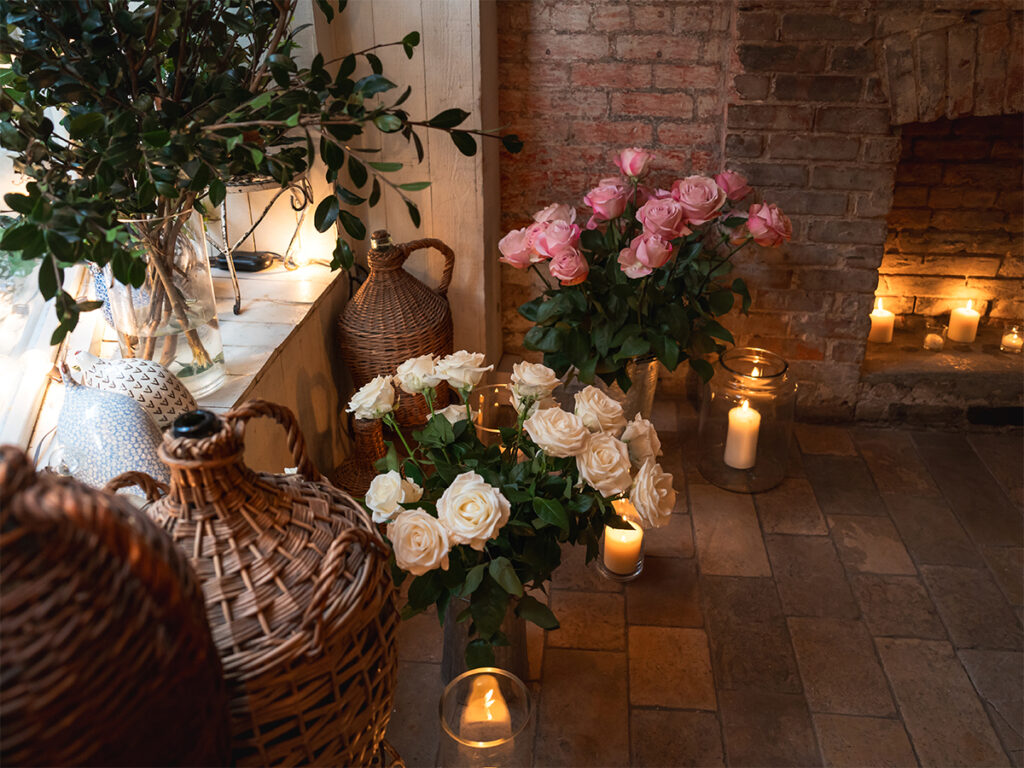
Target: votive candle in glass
pixel 1013 339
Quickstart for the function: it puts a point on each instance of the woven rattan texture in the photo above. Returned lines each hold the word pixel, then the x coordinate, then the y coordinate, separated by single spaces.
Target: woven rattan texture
pixel 105 650
pixel 392 317
pixel 356 474
pixel 297 596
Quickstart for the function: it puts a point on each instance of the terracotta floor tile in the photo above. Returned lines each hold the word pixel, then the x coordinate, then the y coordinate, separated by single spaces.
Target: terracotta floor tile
pixel 663 415
pixel 668 738
pixel 672 540
pixel 810 578
pixel 897 606
pixel 727 532
pixel 576 573
pixel 998 677
pixel 750 646
pixel 421 638
pixel 1003 454
pixel 832 441
pixel 790 508
pixel 843 485
pixel 666 594
pixel 972 608
pixel 855 742
pixel 670 667
pixel 947 729
pixel 589 620
pixel 870 545
pixel 767 729
pixel 839 668
pixel 929 529
pixel 583 713
pixel 1007 565
pixel 414 727
pixel 893 460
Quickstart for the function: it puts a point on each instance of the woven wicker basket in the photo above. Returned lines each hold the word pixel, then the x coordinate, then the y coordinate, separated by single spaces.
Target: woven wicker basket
pixel 105 649
pixel 356 474
pixel 393 317
pixel 301 607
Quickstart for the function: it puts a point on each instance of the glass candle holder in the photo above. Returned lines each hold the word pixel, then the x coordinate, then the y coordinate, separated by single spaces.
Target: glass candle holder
pixel 1013 338
pixel 746 420
pixel 486 720
pixel 934 335
pixel 622 549
pixel 492 409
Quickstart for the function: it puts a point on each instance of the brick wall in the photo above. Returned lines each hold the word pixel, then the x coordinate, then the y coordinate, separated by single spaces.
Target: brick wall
pixel 955 224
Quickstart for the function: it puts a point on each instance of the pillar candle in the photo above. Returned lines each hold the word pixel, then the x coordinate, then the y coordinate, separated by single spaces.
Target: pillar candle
pixel 741 440
pixel 486 716
pixel 622 546
pixel 963 324
pixel 882 323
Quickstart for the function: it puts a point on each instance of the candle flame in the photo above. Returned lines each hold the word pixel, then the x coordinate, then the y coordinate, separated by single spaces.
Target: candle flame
pixel 746 405
pixel 970 303
pixel 756 372
pixel 878 303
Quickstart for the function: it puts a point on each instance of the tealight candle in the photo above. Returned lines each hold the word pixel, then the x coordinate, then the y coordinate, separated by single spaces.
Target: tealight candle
pixel 963 323
pixel 486 716
pixel 741 440
pixel 882 323
pixel 622 546
pixel 1013 340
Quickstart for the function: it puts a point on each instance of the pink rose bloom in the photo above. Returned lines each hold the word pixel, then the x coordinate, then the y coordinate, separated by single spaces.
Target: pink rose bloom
pixel 630 264
pixel 607 200
pixel 568 266
pixel 556 212
pixel 556 235
pixel 700 197
pixel 768 225
pixel 652 250
pixel 663 216
pixel 733 184
pixel 633 161
pixel 516 248
pixel 533 233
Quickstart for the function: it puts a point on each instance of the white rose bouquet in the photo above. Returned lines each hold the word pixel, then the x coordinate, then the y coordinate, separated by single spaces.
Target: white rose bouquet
pixel 486 523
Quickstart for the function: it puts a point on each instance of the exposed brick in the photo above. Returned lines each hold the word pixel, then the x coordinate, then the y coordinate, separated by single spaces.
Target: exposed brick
pixel 1012 266
pixel 813 26
pixel 685 76
pixel 818 88
pixel 694 17
pixel 899 74
pixel 1004 125
pixel 874 91
pixel 752 87
pixel 920 173
pixel 584 103
pixel 652 47
pixel 846 351
pixel 866 231
pixel 773 57
pixel 853 120
pixel 676 105
pixel 611 17
pixel 1006 150
pixel 881 150
pixel 837 280
pixel 770 117
pixel 563 17
pixel 931 265
pixel 942 149
pixel 686 134
pixel 957 221
pixel 789 300
pixel 872 204
pixel 710 107
pixel 962 197
pixel 803 201
pixel 513 77
pixel 614 76
pixel 757 25
pixel 568 47
pixel 652 18
pixel 743 145
pixel 990 74
pixel 814 254
pixel 624 133
pixel 981 173
pixel 909 218
pixel 906 196
pixel 853 58
pixel 788 146
pixel 774 174
pixel 961 45
pixel 1015 68
pixel 851 177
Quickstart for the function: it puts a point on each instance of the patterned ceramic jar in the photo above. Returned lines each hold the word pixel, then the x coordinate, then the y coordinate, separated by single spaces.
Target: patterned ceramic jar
pixel 147 382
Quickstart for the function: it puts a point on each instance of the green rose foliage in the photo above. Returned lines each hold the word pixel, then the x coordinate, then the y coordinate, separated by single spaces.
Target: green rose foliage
pixel 116 109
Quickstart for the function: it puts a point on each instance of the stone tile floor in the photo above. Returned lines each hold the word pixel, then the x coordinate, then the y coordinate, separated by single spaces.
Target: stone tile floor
pixel 867 612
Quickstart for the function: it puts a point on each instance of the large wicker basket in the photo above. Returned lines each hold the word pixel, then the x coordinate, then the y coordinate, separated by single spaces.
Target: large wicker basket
pixel 105 652
pixel 393 317
pixel 301 607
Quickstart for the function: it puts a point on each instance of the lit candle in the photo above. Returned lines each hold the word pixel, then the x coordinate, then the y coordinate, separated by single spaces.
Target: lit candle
pixel 486 716
pixel 621 545
pixel 933 342
pixel 1012 341
pixel 741 441
pixel 882 323
pixel 963 323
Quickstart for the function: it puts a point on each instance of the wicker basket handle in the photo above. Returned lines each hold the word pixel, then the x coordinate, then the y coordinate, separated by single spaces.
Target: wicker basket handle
pixel 153 489
pixel 330 568
pixel 449 258
pixel 252 409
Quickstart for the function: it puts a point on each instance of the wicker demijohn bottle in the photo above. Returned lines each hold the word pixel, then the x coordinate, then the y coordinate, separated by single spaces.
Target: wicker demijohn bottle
pixel 393 316
pixel 301 607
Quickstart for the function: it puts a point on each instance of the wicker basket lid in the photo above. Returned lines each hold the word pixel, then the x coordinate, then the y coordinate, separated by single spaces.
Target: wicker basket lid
pixel 106 653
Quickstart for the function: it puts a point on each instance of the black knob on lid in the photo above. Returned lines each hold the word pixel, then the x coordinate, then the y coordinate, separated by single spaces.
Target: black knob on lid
pixel 196 424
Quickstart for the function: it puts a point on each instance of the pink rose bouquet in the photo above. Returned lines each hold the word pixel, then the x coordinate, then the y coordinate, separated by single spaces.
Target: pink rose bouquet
pixel 647 275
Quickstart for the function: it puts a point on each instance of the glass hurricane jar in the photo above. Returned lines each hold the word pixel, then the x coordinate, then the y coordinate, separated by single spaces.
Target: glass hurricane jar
pixel 486 720
pixel 746 420
pixel 492 409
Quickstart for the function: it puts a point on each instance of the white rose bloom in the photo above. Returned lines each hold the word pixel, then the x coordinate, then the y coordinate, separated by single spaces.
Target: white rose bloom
pixel 472 511
pixel 604 464
pixel 599 412
pixel 556 212
pixel 374 399
pixel 642 439
pixel 417 374
pixel 533 380
pixel 462 369
pixel 519 403
pixel 454 413
pixel 420 542
pixel 653 495
pixel 386 492
pixel 557 432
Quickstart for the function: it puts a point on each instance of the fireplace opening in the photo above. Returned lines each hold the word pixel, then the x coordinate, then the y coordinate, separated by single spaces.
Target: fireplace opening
pixel 954 236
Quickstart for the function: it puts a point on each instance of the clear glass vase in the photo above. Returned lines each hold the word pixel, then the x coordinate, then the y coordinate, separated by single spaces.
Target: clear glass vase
pixel 492 409
pixel 642 372
pixel 172 317
pixel 512 657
